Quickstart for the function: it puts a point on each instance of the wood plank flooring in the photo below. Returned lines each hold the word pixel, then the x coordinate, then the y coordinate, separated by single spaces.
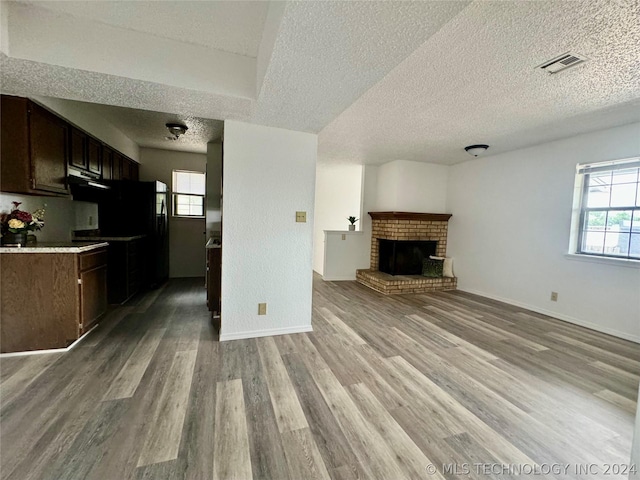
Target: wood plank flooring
pixel 383 388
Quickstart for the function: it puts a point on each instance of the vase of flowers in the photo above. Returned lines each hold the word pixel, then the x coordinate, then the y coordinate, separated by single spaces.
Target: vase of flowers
pixel 352 223
pixel 16 225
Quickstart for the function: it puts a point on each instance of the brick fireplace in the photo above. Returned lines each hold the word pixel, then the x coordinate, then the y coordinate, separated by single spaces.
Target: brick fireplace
pixel 405 226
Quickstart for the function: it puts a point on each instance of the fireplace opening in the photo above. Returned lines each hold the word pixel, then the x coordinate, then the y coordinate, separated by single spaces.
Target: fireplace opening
pixel 404 257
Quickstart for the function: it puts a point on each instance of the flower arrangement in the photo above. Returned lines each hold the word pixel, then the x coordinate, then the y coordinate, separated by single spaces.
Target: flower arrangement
pixel 20 222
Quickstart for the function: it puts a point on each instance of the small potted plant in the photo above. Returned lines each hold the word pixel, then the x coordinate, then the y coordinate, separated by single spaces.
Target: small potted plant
pixel 352 221
pixel 16 225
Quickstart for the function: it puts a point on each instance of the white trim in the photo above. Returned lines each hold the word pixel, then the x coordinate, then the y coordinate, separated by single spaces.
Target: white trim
pixel 343 278
pixel 559 316
pixel 344 232
pixel 51 350
pixel 265 333
pixel 618 262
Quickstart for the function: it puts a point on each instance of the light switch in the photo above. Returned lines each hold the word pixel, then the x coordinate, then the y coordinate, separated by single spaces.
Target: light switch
pixel 262 309
pixel 301 217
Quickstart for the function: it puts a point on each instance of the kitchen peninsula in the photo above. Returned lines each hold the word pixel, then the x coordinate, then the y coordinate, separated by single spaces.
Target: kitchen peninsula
pixel 52 293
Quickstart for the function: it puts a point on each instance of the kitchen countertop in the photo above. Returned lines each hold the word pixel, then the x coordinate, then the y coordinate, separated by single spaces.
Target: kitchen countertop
pixel 56 247
pixel 109 239
pixel 210 244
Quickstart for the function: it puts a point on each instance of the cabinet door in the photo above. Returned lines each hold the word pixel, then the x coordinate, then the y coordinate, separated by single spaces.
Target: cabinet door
pixel 107 163
pixel 126 169
pixel 49 142
pixel 134 171
pixel 214 274
pixel 94 154
pixel 78 149
pixel 93 295
pixel 116 171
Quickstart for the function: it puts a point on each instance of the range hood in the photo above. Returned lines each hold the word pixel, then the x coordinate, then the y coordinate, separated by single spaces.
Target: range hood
pixel 78 178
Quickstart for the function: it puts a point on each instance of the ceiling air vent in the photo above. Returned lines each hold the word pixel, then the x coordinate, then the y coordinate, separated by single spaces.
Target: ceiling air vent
pixel 562 62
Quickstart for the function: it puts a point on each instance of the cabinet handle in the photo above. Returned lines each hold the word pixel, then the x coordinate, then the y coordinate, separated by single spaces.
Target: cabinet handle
pixel 79 281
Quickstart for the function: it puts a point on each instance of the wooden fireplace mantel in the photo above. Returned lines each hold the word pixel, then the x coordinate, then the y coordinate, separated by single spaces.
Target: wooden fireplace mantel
pixel 433 217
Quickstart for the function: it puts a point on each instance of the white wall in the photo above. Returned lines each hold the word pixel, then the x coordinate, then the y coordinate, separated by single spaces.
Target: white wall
pixel 338 196
pixel 62 215
pixel 405 186
pixel 92 123
pixel 509 233
pixel 186 235
pixel 214 190
pixel 343 257
pixel 269 174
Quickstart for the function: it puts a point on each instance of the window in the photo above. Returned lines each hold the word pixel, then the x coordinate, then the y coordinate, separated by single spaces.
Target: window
pixel 188 193
pixel 609 209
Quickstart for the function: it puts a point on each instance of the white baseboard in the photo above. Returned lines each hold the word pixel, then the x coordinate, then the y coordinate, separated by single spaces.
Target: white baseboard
pixel 559 316
pixel 51 350
pixel 265 333
pixel 339 278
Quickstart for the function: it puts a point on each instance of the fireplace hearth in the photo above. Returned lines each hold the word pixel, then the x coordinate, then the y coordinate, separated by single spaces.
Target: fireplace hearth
pixel 404 257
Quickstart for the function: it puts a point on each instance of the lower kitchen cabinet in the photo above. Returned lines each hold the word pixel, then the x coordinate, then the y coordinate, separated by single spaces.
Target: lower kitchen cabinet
pixel 126 269
pixel 214 277
pixel 48 300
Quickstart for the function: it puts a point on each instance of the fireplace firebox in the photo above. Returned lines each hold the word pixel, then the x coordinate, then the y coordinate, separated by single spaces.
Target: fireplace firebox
pixel 404 257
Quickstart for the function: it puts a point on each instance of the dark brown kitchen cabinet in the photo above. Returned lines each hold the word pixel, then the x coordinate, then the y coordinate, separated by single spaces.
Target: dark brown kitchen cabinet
pixel 66 294
pixel 94 156
pixel 34 149
pixel 116 171
pixel 92 279
pixel 214 279
pixel 78 156
pixel 134 171
pixel 86 152
pixel 129 169
pixel 107 163
pixel 126 268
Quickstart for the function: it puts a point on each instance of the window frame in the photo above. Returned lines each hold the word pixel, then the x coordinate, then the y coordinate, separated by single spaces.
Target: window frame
pixel 174 195
pixel 583 173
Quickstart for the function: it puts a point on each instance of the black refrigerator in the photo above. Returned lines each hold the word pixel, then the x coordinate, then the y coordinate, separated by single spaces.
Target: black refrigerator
pixel 139 208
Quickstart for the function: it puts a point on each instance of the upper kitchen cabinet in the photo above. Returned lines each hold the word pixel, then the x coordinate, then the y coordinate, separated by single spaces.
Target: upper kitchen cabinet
pixel 130 169
pixel 116 171
pixel 34 149
pixel 86 152
pixel 107 163
pixel 78 157
pixel 94 156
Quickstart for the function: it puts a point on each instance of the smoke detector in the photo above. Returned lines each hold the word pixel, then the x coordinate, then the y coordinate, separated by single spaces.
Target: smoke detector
pixel 562 62
pixel 176 129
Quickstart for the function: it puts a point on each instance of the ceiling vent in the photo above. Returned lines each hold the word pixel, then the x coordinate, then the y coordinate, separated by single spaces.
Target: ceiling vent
pixel 562 62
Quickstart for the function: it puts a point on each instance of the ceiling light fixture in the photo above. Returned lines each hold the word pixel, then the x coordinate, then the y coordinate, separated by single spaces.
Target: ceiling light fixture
pixel 176 129
pixel 476 150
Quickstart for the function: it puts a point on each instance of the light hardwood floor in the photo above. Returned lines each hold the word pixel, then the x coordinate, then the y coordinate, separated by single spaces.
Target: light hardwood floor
pixel 383 388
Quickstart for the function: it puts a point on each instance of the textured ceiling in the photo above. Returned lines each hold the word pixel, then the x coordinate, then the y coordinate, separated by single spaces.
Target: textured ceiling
pixel 383 81
pixel 474 82
pixel 327 54
pixel 148 129
pixel 231 26
pixel 26 78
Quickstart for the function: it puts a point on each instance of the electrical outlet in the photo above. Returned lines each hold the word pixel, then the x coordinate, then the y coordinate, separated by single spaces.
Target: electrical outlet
pixel 301 217
pixel 344 237
pixel 262 309
pixel 90 219
pixel 554 296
